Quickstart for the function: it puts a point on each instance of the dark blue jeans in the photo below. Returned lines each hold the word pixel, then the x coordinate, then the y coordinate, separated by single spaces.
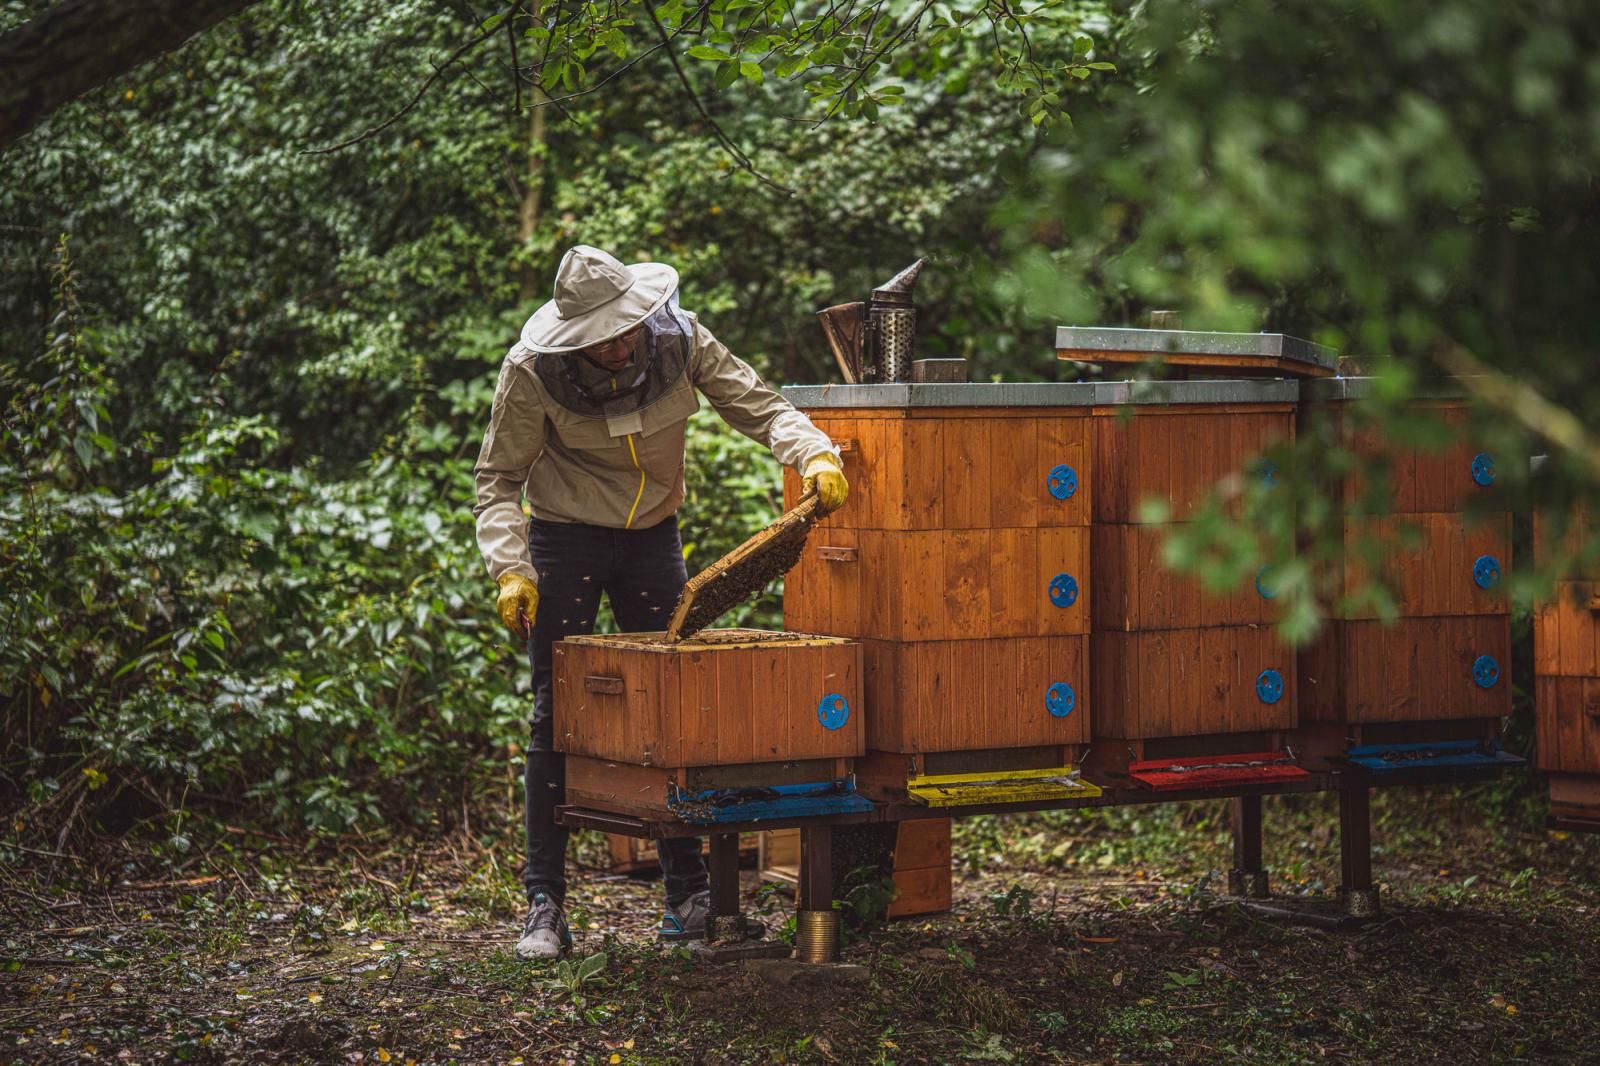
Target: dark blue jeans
pixel 641 571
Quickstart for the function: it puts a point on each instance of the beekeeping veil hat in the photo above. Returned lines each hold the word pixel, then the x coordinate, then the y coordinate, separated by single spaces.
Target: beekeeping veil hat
pixel 598 299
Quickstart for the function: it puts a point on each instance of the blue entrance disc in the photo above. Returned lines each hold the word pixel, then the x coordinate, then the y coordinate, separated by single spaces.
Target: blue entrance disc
pixel 1060 698
pixel 1063 481
pixel 1485 671
pixel 1486 571
pixel 1263 572
pixel 833 711
pixel 1063 590
pixel 1483 468
pixel 1271 474
pixel 1269 686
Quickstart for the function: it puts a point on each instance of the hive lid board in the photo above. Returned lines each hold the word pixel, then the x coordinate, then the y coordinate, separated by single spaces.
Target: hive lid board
pixel 1012 786
pixel 1444 754
pixel 1040 394
pixel 1245 353
pixel 1216 771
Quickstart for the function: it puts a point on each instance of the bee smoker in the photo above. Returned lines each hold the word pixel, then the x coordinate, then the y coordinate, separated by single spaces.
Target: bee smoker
pixel 875 342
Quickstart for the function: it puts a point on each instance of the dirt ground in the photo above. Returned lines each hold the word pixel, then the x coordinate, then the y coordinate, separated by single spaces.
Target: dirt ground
pixel 365 950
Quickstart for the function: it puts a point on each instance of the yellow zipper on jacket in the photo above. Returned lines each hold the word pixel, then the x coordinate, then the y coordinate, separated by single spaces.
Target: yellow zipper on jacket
pixel 640 496
pixel 633 452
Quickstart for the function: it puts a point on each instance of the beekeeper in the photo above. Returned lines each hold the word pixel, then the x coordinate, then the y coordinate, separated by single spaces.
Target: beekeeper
pixel 588 425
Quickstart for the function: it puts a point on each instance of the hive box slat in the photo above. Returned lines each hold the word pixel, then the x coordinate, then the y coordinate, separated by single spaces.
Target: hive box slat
pixel 1176 455
pixel 1186 682
pixel 1566 633
pixel 1427 563
pixel 938 585
pixel 1133 589
pixel 1419 480
pixel 960 695
pixel 956 468
pixel 707 704
pixel 1410 670
pixel 1568 710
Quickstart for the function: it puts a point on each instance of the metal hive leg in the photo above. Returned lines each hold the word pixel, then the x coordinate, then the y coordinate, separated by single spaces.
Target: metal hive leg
pixel 817 924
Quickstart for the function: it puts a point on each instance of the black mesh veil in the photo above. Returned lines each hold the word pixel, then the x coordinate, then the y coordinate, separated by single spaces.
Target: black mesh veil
pixel 659 360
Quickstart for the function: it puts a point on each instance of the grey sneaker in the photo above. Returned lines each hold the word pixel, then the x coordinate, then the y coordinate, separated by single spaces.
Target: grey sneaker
pixel 687 921
pixel 544 933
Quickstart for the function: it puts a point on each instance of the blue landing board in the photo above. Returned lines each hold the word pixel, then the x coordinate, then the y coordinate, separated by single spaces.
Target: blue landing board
pixel 792 801
pixel 1444 754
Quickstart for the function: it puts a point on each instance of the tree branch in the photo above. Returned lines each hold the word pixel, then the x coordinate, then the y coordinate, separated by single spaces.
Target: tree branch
pixel 743 161
pixel 1554 423
pixel 438 71
pixel 80 45
pixel 892 43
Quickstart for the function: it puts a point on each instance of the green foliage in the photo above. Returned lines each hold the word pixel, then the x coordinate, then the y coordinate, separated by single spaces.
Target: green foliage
pixel 573 981
pixel 846 60
pixel 239 433
pixel 1015 902
pixel 1410 183
pixel 868 899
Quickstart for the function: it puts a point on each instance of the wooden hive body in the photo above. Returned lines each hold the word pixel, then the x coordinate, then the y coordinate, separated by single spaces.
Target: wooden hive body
pixel 732 708
pixel 1566 657
pixel 1447 561
pixel 961 563
pixel 1169 659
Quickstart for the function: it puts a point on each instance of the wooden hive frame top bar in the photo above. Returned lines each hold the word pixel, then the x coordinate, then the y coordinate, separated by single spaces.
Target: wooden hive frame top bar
pixel 744 571
pixel 707 639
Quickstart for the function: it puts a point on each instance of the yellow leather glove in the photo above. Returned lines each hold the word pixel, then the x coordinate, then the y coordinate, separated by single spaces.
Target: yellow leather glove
pixel 824 473
pixel 518 596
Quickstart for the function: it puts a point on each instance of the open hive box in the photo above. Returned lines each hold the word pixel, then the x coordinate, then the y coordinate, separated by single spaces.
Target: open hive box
pixel 728 725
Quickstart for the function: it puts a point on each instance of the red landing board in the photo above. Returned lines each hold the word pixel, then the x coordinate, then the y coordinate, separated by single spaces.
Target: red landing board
pixel 1216 771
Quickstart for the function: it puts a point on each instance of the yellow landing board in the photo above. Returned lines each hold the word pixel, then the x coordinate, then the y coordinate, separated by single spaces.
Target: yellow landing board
pixel 1011 786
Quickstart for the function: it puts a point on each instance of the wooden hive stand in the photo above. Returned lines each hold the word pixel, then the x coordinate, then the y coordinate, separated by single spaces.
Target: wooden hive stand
pixel 920 864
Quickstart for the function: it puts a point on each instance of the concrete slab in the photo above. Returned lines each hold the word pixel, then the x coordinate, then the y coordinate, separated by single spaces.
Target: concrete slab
pixel 786 972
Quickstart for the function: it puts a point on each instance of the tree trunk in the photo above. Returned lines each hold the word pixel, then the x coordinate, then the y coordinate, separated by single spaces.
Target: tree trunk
pixel 80 45
pixel 531 197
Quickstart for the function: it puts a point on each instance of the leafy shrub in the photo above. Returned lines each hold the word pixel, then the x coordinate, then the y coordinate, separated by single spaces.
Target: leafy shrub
pixel 322 651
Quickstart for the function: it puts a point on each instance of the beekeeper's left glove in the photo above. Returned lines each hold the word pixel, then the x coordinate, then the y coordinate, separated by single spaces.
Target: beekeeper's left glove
pixel 823 472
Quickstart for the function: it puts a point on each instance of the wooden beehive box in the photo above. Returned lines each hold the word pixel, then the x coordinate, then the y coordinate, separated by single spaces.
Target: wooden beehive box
pixel 951 457
pixel 1172 661
pixel 1441 671
pixel 961 561
pixel 1566 653
pixel 729 708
